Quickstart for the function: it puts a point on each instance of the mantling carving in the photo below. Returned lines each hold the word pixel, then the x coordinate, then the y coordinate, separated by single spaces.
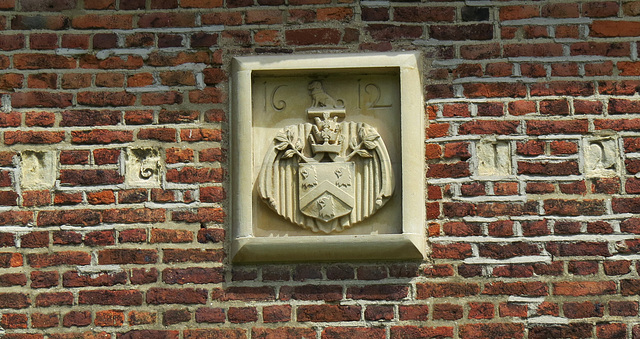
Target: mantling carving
pixel 328 175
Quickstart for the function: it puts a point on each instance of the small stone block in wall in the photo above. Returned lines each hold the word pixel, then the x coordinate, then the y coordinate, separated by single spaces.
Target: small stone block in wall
pixel 494 157
pixel 144 167
pixel 601 157
pixel 37 170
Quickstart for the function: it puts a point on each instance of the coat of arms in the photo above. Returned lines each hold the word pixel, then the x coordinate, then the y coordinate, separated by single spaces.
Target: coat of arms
pixel 327 175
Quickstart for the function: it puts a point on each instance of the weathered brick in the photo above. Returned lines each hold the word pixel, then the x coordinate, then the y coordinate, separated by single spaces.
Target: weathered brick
pixel 327 313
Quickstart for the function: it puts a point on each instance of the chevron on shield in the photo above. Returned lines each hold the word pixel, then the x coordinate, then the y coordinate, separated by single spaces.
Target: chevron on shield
pixel 326 189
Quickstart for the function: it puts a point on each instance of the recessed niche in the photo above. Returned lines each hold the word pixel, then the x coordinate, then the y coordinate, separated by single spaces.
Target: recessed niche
pixel 327 158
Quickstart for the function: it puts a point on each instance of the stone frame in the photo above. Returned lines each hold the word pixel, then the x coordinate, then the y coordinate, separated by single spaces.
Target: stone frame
pixel 409 243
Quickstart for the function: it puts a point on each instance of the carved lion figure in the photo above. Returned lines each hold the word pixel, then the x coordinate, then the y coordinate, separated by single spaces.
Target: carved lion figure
pixel 320 98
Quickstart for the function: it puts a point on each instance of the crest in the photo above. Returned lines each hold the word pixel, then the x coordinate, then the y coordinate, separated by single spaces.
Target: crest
pixel 327 175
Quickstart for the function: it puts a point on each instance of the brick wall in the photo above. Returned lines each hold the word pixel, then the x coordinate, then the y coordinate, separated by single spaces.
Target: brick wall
pixel 537 243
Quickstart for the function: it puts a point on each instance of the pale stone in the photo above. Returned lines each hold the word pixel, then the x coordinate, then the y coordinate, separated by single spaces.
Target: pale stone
pixel 144 167
pixel 37 170
pixel 297 118
pixel 494 157
pixel 601 157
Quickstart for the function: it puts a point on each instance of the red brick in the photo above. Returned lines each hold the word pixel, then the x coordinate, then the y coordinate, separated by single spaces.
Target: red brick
pixel 353 332
pixel 276 313
pixel 533 50
pixel 54 299
pixel 516 249
pixel 613 49
pixel 77 318
pixel 502 228
pixel 440 290
pixel 89 118
pixel 36 198
pixel 90 177
pixel 407 332
pixel 492 330
pixel 137 215
pixel 41 320
pixel 603 29
pixel 209 95
pixel 583 267
pixel 13 279
pixel 480 310
pixel 313 36
pixel 100 238
pixel 533 288
pixel 212 155
pixel 327 313
pixel 574 88
pixel 176 296
pixel 455 209
pixel 12 42
pixel 127 256
pixel 519 12
pixel 413 312
pixel 101 136
pixel 13 320
pixel 553 269
pixel 194 275
pixel 513 310
pixel 141 276
pixel 43 61
pixel 538 127
pixel 242 314
pixel 581 248
pixel 109 80
pixel 172 317
pixel 584 288
pixel 75 80
pixel 623 308
pixel 575 330
pixel 73 279
pixel 235 333
pixel 455 170
pixel 10 260
pixel 378 292
pixel 521 107
pixel 423 14
pixel 35 239
pixel 210 315
pixel 192 255
pixel 462 32
pixel 11 81
pixel 110 297
pixel 447 312
pixel 309 292
pixel 575 187
pixel 161 20
pixel 587 309
pixel 109 318
pixel 461 229
pixel 41 260
pixel 611 331
pixel 619 267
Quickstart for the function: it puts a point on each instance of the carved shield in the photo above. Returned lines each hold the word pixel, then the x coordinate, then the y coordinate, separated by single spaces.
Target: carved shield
pixel 326 190
pixel 291 182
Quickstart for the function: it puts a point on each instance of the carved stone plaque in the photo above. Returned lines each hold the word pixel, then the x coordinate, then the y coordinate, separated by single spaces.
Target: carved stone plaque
pixel 143 167
pixel 323 155
pixel 342 168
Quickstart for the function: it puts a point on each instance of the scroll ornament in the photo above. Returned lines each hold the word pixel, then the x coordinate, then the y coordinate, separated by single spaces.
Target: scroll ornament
pixel 327 175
